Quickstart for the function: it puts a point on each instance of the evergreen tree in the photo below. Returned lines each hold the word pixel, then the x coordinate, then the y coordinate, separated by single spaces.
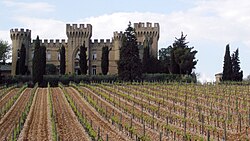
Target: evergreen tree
pixel 146 57
pixel 50 69
pixel 164 56
pixel 22 58
pixel 182 58
pixel 129 65
pixel 83 60
pixel 237 75
pixel 150 64
pixel 62 60
pixel 37 71
pixel 43 59
pixel 227 67
pixel 155 66
pixel 105 60
pixel 174 67
pixel 5 50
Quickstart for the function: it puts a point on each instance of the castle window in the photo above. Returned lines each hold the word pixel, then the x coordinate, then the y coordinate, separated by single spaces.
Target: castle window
pixel 32 54
pixel 48 56
pixel 94 56
pixel 58 56
pixel 78 55
pixel 94 70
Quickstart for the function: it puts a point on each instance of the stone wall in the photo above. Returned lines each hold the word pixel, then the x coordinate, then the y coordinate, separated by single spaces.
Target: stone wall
pixel 79 35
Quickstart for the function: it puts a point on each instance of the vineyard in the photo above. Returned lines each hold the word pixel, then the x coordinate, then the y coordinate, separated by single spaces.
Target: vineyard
pixel 125 112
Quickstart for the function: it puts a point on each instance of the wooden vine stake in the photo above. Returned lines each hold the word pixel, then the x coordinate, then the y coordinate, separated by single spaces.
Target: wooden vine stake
pixel 208 135
pixel 107 137
pixel 225 130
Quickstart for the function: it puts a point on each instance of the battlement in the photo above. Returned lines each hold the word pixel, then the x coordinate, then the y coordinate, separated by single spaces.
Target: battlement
pixel 102 41
pixel 118 35
pixel 51 42
pixel 76 27
pixel 147 29
pixel 79 31
pixel 22 33
pixel 146 25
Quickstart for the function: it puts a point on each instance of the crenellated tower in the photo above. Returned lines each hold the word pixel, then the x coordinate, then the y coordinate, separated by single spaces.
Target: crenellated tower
pixel 18 38
pixel 114 55
pixel 117 43
pixel 148 31
pixel 77 36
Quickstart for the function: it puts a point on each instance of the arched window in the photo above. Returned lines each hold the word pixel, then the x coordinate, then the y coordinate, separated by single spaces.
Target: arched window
pixel 48 56
pixel 94 56
pixel 94 70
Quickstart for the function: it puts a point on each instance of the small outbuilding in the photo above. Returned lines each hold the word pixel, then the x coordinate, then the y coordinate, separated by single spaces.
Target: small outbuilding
pixel 218 77
pixel 5 70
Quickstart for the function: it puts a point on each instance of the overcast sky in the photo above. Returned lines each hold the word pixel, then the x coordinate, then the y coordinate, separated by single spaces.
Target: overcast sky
pixel 209 24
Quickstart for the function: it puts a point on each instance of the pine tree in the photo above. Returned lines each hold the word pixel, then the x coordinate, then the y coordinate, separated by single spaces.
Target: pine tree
pixel 83 60
pixel 37 72
pixel 174 67
pixel 22 57
pixel 182 58
pixel 227 67
pixel 237 75
pixel 105 60
pixel 129 65
pixel 62 60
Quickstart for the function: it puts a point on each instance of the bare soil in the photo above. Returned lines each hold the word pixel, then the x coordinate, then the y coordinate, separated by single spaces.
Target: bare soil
pixel 37 127
pixel 7 97
pixel 8 122
pixel 68 127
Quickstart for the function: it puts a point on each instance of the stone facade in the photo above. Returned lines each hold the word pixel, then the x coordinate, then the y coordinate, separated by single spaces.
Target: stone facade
pixel 77 36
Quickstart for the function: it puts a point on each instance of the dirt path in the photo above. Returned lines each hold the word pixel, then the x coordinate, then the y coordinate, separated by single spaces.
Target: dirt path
pixel 68 127
pixel 11 118
pixel 96 119
pixel 37 127
pixel 7 97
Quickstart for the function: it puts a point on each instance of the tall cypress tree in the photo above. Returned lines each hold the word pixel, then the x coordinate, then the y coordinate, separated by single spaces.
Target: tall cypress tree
pixel 37 72
pixel 237 75
pixel 129 65
pixel 227 67
pixel 146 57
pixel 43 59
pixel 22 57
pixel 105 60
pixel 83 60
pixel 62 60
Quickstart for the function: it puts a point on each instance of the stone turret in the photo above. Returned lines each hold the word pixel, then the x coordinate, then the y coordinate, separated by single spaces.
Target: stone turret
pixel 145 31
pixel 18 38
pixel 117 43
pixel 77 36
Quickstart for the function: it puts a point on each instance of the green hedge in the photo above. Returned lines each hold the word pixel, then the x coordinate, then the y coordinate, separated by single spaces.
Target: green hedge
pixel 65 79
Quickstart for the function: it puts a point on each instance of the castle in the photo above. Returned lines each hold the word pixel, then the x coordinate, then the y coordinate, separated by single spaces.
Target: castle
pixel 77 36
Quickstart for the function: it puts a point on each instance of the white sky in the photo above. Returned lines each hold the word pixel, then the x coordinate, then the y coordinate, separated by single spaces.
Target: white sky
pixel 209 24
